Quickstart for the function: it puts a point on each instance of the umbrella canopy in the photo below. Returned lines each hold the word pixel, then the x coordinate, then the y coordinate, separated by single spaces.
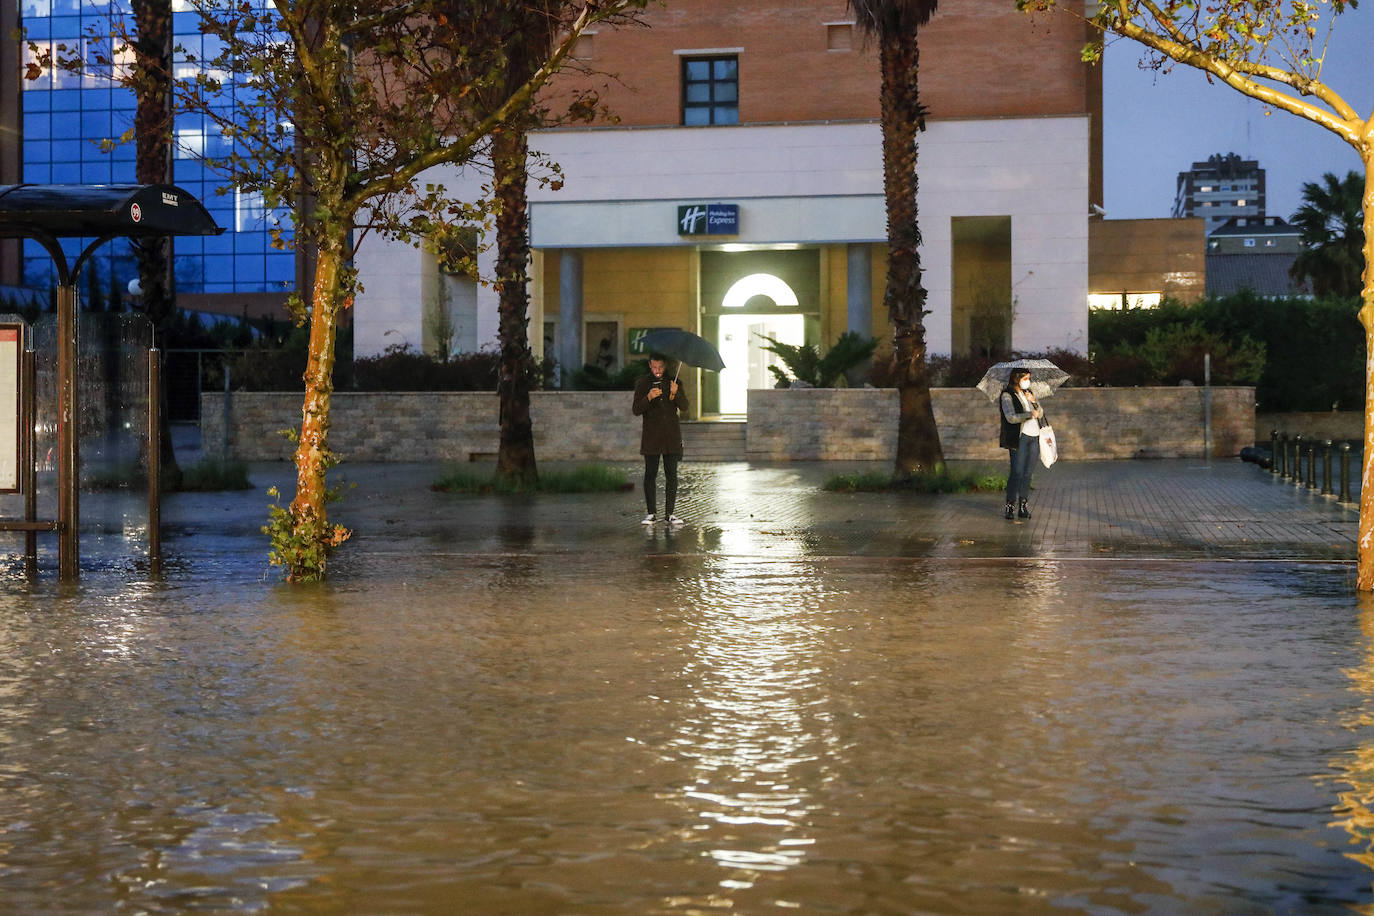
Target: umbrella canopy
pixel 1045 376
pixel 685 347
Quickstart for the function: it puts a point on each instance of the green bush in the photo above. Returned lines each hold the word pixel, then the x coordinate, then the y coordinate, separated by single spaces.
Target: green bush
pixel 402 368
pixel 595 378
pixel 587 478
pixel 1313 349
pixel 942 481
pixel 808 365
pixel 212 474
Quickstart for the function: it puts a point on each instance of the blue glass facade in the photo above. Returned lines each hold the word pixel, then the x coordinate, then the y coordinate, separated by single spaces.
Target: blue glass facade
pixel 65 118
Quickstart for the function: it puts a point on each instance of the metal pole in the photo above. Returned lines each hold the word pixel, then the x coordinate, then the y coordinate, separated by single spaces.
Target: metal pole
pixel 30 460
pixel 1295 462
pixel 1281 456
pixel 68 434
pixel 1274 462
pixel 224 456
pixel 1311 465
pixel 154 461
pixel 1345 473
pixel 1206 406
pixel 1327 489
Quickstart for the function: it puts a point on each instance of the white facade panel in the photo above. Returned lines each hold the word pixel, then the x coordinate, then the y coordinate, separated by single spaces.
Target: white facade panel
pixel 807 183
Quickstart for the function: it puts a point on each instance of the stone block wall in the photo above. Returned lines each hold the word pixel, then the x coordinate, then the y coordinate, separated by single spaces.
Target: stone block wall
pixel 815 424
pixel 424 426
pixel 857 424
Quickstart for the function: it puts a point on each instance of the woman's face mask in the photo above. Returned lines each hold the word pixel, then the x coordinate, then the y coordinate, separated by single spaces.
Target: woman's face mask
pixel 1025 384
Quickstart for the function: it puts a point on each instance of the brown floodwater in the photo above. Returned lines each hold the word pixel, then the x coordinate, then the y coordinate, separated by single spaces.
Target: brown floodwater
pixel 690 734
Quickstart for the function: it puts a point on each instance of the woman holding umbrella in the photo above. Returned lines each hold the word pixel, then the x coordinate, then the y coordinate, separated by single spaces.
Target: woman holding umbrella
pixel 658 400
pixel 1021 416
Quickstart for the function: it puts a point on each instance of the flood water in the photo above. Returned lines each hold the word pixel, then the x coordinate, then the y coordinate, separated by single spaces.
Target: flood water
pixel 690 734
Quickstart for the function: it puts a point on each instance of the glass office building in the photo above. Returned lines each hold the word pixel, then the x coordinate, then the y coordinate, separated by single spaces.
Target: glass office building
pixel 65 118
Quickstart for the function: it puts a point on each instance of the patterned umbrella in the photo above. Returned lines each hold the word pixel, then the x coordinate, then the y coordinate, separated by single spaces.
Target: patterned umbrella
pixel 1045 376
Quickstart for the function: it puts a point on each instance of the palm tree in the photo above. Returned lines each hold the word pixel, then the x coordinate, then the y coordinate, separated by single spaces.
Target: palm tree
pixel 1331 220
pixel 532 34
pixel 895 25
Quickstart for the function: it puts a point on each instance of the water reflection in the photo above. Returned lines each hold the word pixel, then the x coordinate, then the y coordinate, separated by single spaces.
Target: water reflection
pixel 1355 769
pixel 676 732
pixel 755 725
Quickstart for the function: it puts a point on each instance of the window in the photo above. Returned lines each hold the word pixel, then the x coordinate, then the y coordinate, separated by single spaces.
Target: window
pixel 1249 243
pixel 710 90
pixel 839 36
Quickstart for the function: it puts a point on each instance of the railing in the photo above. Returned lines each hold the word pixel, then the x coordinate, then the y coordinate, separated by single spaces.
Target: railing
pixel 1300 459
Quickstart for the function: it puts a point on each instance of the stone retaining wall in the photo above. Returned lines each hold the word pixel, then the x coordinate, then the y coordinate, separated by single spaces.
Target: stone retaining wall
pixel 802 424
pixel 828 424
pixel 424 425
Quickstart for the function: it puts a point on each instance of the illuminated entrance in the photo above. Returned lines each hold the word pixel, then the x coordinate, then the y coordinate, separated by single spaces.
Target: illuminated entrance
pixel 748 300
pixel 744 336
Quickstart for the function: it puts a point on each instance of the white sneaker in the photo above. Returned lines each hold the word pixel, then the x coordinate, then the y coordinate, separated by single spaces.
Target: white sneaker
pixel 674 520
pixel 648 520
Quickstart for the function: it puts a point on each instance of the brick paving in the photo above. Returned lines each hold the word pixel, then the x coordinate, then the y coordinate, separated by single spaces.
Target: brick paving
pixel 1169 509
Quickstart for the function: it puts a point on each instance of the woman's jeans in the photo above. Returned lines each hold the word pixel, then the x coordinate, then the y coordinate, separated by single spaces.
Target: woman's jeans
pixel 1023 459
pixel 669 481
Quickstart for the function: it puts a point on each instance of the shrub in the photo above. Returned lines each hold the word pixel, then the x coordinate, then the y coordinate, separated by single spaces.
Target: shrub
pixel 808 365
pixel 587 478
pixel 595 378
pixel 402 368
pixel 210 474
pixel 942 481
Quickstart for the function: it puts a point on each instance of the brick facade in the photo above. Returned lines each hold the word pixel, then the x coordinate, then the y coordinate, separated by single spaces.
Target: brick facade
pixel 797 63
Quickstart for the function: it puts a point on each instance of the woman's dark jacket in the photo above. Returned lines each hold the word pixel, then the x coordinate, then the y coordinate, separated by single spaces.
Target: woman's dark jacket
pixel 662 435
pixel 1012 417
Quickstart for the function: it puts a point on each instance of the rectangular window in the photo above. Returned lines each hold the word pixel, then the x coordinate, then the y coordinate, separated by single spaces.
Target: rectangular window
pixel 710 90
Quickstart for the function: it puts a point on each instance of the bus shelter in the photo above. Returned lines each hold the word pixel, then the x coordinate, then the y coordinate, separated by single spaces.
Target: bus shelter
pixel 98 213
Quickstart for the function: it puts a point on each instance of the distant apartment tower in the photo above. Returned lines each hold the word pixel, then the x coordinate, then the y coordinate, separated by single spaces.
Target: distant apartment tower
pixel 1223 187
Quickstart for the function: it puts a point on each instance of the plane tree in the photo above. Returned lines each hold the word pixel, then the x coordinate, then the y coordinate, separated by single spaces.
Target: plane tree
pixel 1273 52
pixel 332 113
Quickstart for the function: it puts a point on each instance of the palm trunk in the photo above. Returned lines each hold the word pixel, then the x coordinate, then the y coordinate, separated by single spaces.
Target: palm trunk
pixel 515 459
pixel 1364 579
pixel 153 165
pixel 304 551
pixel 918 438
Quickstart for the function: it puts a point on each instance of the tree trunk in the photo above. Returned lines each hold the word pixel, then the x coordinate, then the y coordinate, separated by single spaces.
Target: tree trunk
pixel 305 549
pixel 153 165
pixel 515 459
pixel 918 438
pixel 1364 578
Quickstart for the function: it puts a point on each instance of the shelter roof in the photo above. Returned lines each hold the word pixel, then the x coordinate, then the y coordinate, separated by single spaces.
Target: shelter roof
pixel 72 210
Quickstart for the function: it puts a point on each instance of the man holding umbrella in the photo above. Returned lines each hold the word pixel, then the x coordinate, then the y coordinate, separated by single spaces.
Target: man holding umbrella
pixel 659 399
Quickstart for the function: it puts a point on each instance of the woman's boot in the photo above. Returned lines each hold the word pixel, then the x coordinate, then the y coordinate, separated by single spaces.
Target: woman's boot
pixel 1021 511
pixel 1010 511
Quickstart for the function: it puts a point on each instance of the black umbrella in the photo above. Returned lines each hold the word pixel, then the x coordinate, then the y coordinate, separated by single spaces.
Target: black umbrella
pixel 685 347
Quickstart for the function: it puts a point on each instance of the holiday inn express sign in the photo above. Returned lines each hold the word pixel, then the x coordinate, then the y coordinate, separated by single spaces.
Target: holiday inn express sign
pixel 708 219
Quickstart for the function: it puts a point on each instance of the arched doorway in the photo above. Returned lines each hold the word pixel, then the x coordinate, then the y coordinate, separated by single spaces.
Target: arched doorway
pixel 749 320
pixel 749 298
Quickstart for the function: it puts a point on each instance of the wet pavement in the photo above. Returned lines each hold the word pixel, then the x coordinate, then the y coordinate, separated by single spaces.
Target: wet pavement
pixel 1159 510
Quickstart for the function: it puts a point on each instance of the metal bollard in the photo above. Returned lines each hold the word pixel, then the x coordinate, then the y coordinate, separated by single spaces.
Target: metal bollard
pixel 1274 462
pixel 1345 473
pixel 1295 464
pixel 1281 456
pixel 1326 468
pixel 1311 465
